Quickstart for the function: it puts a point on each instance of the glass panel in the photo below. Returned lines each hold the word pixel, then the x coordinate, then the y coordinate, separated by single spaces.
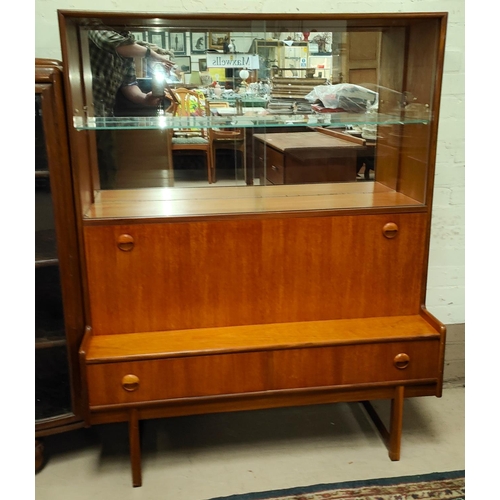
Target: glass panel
pixel 41 163
pixel 52 389
pixel 49 318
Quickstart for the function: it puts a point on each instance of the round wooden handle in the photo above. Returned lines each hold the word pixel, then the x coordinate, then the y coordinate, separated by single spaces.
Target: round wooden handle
pixel 401 361
pixel 130 382
pixel 125 242
pixel 390 230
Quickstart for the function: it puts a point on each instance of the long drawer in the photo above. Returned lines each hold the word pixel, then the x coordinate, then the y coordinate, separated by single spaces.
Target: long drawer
pixel 244 372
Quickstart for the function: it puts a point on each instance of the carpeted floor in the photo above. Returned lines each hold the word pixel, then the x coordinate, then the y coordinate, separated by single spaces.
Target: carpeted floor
pixel 439 486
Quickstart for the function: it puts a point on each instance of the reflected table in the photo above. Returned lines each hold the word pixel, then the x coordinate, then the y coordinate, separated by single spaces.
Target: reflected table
pixel 304 158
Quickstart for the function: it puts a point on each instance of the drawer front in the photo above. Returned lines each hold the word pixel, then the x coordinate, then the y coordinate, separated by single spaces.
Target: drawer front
pixel 275 170
pixel 196 376
pixel 173 378
pixel 360 364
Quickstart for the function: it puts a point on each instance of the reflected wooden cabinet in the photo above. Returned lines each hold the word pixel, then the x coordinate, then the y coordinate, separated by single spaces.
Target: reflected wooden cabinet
pixel 294 283
pixel 306 158
pixel 59 320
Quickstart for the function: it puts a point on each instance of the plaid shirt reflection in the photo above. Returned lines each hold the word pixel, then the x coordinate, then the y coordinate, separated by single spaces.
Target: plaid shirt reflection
pixel 110 71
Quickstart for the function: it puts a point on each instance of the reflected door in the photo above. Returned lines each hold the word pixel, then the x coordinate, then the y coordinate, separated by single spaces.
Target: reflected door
pixel 361 51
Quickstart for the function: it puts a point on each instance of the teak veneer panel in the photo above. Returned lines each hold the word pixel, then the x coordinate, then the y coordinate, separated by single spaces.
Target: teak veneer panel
pixel 251 372
pixel 218 273
pixel 182 203
pixel 134 346
pixel 214 192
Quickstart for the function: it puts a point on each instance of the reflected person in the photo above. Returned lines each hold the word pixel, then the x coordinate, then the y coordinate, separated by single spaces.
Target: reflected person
pixel 113 70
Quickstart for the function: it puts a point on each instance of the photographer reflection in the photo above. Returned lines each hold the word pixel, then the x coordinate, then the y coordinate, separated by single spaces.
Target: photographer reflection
pixel 159 72
pixel 114 77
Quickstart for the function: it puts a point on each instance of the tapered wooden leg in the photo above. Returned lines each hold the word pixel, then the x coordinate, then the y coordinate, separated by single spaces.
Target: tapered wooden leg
pixel 135 447
pixel 396 424
pixel 392 437
pixel 39 458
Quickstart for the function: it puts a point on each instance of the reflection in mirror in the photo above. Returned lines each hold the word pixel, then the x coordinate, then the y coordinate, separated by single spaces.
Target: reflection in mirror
pixel 271 108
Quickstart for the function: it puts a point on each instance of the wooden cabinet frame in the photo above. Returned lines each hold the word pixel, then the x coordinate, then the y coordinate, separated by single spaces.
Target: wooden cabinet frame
pixel 287 296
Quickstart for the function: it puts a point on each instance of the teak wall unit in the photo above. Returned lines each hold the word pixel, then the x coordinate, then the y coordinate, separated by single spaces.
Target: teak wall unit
pixel 246 297
pixel 59 318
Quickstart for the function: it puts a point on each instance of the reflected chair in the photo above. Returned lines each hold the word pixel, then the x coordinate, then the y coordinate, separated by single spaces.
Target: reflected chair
pixel 189 104
pixel 225 138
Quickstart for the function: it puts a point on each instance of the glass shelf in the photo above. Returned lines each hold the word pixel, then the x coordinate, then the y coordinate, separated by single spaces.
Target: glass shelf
pixel 249 120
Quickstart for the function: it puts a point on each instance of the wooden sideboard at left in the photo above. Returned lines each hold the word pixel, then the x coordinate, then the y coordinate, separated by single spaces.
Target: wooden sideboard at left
pixel 59 321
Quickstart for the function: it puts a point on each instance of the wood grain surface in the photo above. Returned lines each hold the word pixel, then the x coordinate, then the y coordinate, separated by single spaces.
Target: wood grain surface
pixel 237 272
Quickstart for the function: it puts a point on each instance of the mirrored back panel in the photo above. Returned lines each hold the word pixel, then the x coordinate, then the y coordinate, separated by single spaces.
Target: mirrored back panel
pixel 228 114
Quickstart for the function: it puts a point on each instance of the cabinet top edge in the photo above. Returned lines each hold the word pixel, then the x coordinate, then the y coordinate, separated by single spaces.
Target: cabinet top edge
pixel 257 14
pixel 44 74
pixel 158 219
pixel 376 17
